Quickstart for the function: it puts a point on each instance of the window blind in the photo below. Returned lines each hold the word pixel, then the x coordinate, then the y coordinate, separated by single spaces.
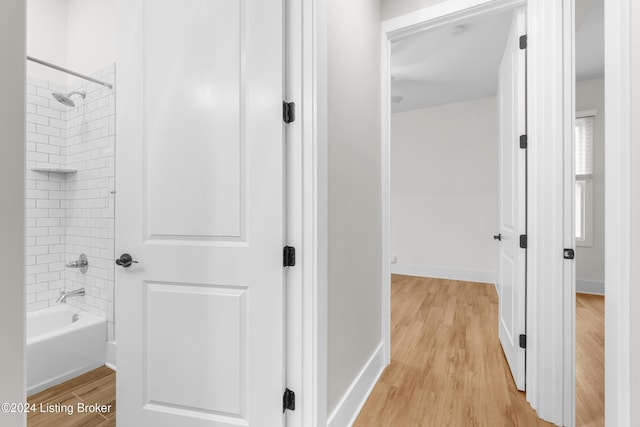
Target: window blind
pixel 584 146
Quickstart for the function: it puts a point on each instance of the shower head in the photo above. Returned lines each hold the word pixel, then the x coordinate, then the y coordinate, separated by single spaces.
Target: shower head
pixel 65 98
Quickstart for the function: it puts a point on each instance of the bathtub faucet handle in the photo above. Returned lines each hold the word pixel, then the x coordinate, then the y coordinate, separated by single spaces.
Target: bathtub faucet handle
pixel 77 264
pixel 82 264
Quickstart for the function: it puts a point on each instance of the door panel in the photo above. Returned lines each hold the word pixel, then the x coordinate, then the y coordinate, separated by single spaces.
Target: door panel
pixel 512 200
pixel 199 205
pixel 508 280
pixel 198 86
pixel 211 379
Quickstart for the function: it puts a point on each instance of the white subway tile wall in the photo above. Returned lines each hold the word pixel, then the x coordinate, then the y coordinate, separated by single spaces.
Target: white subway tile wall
pixel 72 212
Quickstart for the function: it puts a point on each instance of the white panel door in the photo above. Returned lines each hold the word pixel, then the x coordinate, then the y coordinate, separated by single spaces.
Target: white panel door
pixel 512 195
pixel 199 206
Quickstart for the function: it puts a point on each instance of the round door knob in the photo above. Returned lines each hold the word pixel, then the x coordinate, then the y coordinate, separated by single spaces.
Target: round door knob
pixel 497 237
pixel 125 260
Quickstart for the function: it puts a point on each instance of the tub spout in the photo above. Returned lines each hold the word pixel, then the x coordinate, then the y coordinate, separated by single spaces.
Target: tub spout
pixel 65 294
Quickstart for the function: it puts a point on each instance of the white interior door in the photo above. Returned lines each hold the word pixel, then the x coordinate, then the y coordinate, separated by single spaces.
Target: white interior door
pixel 512 195
pixel 199 206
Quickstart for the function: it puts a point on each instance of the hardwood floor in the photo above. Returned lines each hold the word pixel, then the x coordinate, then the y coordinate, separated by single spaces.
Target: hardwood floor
pixel 589 360
pixel 75 399
pixel 447 366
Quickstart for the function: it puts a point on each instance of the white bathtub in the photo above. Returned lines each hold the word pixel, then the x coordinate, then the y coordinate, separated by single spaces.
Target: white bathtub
pixel 60 348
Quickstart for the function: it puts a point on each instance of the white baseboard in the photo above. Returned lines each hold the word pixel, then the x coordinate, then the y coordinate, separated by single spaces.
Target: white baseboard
pixel 589 287
pixel 110 359
pixel 62 378
pixel 354 399
pixel 444 273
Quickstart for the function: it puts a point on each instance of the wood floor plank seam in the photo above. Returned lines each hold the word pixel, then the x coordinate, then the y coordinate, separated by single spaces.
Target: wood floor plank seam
pixel 83 401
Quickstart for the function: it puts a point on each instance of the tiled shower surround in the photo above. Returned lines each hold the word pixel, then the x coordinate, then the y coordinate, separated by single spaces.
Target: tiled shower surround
pixel 69 213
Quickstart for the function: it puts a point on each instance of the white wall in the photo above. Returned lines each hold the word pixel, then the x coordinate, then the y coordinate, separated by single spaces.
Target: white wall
pixel 354 192
pixel 47 37
pixel 91 37
pixel 444 190
pixel 393 8
pixel 75 34
pixel 590 260
pixel 12 244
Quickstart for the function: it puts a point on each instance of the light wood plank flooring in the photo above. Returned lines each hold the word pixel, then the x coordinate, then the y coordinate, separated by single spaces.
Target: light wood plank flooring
pixel 447 366
pixel 589 360
pixel 95 387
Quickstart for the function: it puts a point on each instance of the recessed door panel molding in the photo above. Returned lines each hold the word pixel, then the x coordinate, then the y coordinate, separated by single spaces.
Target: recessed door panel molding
pixel 194 109
pixel 507 281
pixel 507 150
pixel 210 380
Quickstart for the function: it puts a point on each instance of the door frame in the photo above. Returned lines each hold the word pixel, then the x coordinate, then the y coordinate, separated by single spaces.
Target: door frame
pixel 551 350
pixel 618 227
pixel 395 29
pixel 306 210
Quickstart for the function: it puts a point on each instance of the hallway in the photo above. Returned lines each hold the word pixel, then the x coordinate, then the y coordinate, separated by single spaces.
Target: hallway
pixel 447 366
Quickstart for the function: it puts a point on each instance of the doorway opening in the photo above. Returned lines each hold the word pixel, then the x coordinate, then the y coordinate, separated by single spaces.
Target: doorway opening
pixel 409 27
pixel 445 163
pixel 70 178
pixel 589 210
pixel 70 200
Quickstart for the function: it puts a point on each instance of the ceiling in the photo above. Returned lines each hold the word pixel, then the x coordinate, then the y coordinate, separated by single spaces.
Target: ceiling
pixel 460 62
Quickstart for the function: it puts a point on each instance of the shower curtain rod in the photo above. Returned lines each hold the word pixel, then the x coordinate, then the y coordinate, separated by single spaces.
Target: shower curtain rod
pixel 64 70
